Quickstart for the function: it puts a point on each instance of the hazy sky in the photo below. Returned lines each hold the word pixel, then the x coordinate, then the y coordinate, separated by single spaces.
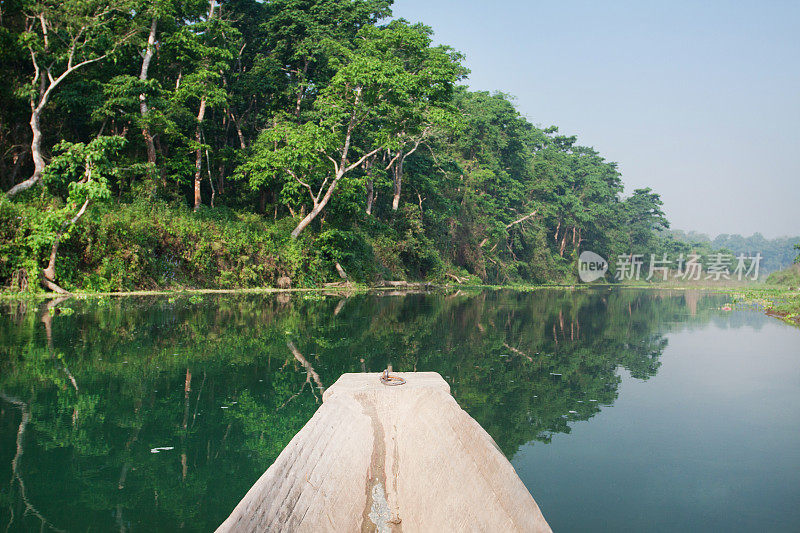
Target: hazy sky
pixel 698 100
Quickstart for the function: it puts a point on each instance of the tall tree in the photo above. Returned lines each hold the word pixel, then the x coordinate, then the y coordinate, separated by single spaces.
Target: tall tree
pixel 304 36
pixel 203 52
pixel 642 220
pixel 428 75
pixel 147 57
pixel 61 38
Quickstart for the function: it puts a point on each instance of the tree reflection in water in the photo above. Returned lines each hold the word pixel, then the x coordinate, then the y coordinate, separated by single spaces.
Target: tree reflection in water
pixel 155 413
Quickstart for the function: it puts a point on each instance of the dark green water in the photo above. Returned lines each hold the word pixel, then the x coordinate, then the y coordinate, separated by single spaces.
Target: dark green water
pixel 621 410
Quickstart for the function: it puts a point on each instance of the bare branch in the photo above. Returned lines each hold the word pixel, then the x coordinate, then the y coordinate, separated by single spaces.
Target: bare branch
pixel 361 160
pixel 44 31
pixel 421 137
pixel 393 160
pixel 55 82
pixel 335 164
pixel 304 184
pixel 36 70
pixel 321 188
pixel 509 225
pixel 523 219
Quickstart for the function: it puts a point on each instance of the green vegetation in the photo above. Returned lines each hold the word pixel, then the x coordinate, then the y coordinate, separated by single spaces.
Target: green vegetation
pixel 779 297
pixel 166 145
pixel 789 277
pixel 782 303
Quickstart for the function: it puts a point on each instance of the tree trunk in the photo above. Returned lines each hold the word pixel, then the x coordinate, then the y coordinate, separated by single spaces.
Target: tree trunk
pixel 36 149
pixel 238 127
pixel 36 154
pixel 210 179
pixel 563 244
pixel 370 184
pixel 320 205
pixel 198 161
pixel 398 181
pixel 398 168
pixel 301 89
pixel 311 215
pixel 370 195
pixel 50 271
pixel 148 56
pixel 47 84
pixel 341 169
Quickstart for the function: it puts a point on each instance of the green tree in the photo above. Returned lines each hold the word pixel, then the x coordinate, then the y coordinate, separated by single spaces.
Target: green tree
pixel 353 114
pixel 83 170
pixel 62 38
pixel 643 220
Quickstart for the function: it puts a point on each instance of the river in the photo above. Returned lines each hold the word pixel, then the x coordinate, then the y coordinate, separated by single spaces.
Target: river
pixel 621 410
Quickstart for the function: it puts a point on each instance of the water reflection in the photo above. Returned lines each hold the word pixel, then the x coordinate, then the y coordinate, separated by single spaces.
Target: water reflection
pixel 159 413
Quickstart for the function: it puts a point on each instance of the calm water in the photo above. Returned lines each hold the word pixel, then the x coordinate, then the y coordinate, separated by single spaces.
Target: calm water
pixel 621 410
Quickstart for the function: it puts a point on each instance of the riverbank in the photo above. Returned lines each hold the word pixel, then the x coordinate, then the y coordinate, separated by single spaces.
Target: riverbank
pixel 780 303
pixel 777 302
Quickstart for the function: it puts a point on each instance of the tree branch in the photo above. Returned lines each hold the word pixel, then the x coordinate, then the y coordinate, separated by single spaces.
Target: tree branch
pixel 523 219
pixel 304 184
pixel 363 158
pixel 509 225
pixel 303 361
pixel 335 164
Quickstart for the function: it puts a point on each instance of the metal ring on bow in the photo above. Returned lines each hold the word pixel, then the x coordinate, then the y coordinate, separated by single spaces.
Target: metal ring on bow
pixel 386 379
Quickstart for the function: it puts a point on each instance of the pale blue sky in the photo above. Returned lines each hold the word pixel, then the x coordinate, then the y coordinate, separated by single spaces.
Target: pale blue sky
pixel 699 100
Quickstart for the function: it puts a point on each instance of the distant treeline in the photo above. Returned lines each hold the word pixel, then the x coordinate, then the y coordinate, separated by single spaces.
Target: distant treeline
pixel 778 253
pixel 171 144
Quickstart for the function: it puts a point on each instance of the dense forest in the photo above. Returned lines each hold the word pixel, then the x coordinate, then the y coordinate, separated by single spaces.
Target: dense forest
pixel 201 144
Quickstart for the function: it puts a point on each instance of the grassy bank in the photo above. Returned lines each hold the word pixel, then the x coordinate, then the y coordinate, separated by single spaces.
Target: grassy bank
pixel 780 303
pixel 154 246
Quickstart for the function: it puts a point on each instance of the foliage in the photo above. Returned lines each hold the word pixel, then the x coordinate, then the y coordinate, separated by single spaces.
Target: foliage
pixel 320 120
pixel 789 277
